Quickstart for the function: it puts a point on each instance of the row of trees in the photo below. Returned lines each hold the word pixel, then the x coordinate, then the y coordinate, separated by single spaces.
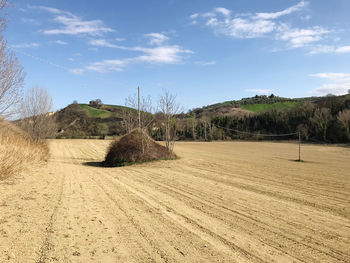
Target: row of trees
pixel 326 121
pixel 32 107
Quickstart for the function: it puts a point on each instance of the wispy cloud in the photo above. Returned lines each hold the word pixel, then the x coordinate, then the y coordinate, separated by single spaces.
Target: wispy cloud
pixel 205 63
pixel 72 24
pixel 76 71
pixel 301 37
pixel 259 91
pixel 322 49
pixel 243 25
pixel 256 25
pixel 30 21
pixel 26 45
pixel 284 12
pixel 156 38
pixel 105 66
pixel 60 42
pixel 339 83
pixel 102 43
pixel 158 53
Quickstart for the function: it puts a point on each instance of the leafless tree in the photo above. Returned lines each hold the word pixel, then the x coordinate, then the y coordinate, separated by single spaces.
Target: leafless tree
pixel 206 123
pixel 321 118
pixel 130 116
pixel 11 75
pixel 35 114
pixel 191 124
pixel 344 118
pixel 169 108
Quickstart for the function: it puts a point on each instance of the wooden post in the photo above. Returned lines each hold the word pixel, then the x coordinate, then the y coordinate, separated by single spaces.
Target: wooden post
pixel 299 145
pixel 138 89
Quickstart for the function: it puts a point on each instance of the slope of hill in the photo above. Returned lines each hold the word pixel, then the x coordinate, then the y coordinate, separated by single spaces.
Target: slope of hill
pixel 83 120
pixel 259 114
pixel 272 106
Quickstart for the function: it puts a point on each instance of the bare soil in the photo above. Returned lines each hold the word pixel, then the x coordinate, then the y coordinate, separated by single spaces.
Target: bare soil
pixel 220 202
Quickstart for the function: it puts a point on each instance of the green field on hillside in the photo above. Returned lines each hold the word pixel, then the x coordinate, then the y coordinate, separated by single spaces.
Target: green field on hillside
pixel 95 113
pixel 267 107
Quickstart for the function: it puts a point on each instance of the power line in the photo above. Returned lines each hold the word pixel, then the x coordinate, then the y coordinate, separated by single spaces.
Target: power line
pixel 256 134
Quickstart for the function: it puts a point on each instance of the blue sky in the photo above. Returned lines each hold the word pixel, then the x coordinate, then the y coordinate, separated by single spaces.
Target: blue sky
pixel 204 51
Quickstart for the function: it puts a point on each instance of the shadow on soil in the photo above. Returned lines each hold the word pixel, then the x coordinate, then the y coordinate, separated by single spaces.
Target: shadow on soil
pixel 94 164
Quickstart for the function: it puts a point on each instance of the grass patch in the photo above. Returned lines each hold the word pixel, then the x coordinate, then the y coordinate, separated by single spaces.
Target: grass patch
pixel 95 113
pixel 268 107
pixel 18 151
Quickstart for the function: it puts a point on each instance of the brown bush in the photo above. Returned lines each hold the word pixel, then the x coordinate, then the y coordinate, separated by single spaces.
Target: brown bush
pixel 135 147
pixel 18 151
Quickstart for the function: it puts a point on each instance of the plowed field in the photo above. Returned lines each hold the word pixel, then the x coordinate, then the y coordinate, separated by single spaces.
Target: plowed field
pixel 220 202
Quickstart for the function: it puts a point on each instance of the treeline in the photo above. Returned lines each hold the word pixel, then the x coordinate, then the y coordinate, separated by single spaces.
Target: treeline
pixel 327 120
pixel 257 99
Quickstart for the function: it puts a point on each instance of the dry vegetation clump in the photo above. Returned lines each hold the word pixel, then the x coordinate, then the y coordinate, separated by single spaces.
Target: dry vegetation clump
pixel 18 150
pixel 135 147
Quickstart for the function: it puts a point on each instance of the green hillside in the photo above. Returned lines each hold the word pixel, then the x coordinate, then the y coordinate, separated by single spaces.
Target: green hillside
pixel 95 113
pixel 274 106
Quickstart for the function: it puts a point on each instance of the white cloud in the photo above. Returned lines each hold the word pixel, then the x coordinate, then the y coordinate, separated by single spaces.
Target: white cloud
pixel 336 77
pixel 333 88
pixel 287 11
pixel 243 25
pixel 259 91
pixel 301 37
pixel 267 24
pixel 343 49
pixel 224 11
pixel 60 42
pixel 120 39
pixel 340 85
pixel 26 45
pixel 319 49
pixel 156 38
pixel 245 28
pixel 72 24
pixel 206 63
pixel 108 65
pixel 162 54
pixel 194 16
pixel 102 43
pixel 76 71
pixel 155 55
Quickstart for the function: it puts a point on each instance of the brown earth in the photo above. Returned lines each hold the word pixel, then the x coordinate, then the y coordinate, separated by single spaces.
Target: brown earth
pixel 220 202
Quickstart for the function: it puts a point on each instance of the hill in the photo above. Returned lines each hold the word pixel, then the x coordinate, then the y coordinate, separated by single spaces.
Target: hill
pixel 315 117
pixel 84 120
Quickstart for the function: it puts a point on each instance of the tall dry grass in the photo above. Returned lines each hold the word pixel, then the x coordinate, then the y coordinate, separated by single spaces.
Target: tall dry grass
pixel 18 151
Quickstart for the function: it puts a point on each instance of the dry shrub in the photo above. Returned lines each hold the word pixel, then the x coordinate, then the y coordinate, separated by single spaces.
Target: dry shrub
pixel 135 147
pixel 18 150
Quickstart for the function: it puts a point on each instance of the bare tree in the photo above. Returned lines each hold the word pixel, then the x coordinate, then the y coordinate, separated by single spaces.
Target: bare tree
pixel 191 124
pixel 130 116
pixel 35 114
pixel 11 75
pixel 344 118
pixel 321 119
pixel 169 107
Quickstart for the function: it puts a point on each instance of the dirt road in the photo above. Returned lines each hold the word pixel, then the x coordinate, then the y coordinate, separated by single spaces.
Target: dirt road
pixel 220 202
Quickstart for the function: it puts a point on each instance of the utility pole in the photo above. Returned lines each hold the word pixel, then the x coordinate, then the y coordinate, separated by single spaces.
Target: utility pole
pixel 138 89
pixel 299 145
